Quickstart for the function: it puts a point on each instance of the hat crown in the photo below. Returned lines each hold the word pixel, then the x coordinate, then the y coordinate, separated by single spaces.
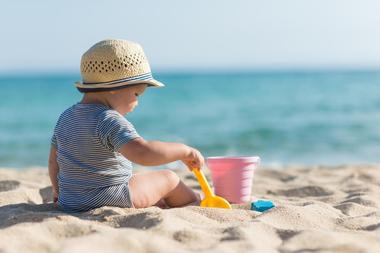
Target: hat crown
pixel 111 60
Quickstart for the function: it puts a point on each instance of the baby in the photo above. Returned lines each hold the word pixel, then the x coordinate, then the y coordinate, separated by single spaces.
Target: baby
pixel 93 145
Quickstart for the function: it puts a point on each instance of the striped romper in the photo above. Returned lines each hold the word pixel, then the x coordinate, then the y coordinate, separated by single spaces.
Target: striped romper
pixel 92 173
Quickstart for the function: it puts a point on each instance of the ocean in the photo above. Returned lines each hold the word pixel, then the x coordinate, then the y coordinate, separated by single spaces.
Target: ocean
pixel 315 117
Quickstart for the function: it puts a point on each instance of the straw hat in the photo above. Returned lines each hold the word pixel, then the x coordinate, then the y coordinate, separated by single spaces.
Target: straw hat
pixel 113 64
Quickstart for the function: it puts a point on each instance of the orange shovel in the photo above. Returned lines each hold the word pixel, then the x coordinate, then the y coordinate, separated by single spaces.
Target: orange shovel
pixel 210 200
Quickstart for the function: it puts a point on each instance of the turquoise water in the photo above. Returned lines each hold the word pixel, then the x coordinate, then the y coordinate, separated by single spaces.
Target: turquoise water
pixel 284 117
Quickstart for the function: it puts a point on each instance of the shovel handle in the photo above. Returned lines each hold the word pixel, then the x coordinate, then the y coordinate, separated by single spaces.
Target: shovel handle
pixel 203 182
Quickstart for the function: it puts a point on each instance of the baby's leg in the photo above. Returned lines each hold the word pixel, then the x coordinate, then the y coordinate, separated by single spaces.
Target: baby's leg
pixel 149 188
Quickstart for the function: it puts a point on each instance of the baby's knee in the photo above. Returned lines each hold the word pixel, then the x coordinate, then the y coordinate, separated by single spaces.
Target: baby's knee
pixel 171 177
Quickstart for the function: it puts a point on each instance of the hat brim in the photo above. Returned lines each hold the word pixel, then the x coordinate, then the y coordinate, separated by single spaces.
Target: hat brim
pixel 82 87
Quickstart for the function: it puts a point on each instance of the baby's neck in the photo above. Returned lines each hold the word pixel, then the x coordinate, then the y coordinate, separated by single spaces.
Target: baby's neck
pixel 93 98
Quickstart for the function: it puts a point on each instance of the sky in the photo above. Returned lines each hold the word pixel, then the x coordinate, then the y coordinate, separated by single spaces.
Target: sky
pixel 51 36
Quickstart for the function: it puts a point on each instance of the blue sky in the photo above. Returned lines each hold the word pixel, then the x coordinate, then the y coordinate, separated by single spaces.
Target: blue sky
pixel 199 35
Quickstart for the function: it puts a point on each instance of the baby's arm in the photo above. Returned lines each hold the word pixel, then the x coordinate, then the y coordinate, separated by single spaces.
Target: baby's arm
pixel 53 172
pixel 153 153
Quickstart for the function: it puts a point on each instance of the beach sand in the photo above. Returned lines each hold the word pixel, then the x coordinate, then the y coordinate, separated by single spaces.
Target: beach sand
pixel 318 209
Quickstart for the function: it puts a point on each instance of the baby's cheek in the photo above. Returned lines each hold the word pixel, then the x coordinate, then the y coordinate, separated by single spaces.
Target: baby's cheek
pixel 132 106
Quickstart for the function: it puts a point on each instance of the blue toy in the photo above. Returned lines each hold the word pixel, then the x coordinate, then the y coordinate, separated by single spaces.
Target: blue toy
pixel 262 205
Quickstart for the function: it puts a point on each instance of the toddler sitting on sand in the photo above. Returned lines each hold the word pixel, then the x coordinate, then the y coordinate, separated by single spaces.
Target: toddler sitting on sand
pixel 93 145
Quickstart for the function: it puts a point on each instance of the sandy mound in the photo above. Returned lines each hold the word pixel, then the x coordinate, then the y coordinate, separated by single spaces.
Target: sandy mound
pixel 319 209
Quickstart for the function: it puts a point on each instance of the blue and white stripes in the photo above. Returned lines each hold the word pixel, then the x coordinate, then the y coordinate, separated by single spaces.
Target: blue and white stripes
pixel 92 173
pixel 143 77
pixel 146 78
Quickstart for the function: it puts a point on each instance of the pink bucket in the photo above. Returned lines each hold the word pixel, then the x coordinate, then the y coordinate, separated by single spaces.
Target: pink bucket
pixel 232 176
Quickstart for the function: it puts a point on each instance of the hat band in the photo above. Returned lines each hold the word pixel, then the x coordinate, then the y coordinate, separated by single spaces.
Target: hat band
pixel 116 83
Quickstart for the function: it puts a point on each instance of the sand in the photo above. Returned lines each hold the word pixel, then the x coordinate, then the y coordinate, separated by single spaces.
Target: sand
pixel 318 209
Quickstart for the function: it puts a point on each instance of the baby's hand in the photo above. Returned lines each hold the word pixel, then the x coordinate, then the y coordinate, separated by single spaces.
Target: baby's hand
pixel 193 159
pixel 55 196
